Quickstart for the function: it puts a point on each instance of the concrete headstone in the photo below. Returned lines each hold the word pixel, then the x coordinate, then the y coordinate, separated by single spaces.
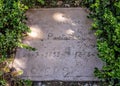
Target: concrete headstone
pixel 66 47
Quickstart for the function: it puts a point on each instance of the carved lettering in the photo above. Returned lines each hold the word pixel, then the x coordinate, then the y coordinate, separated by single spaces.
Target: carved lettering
pixel 78 54
pixel 50 35
pixel 68 50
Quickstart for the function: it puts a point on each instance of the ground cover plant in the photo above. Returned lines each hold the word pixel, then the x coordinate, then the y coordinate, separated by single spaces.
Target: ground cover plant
pixel 12 31
pixel 52 3
pixel 106 17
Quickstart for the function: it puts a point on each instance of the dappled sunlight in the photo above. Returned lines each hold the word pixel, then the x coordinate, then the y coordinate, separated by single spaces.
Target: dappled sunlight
pixel 73 24
pixel 36 32
pixel 70 32
pixel 18 63
pixel 60 17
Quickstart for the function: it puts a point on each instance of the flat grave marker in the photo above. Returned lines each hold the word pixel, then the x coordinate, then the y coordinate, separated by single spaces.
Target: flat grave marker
pixel 66 47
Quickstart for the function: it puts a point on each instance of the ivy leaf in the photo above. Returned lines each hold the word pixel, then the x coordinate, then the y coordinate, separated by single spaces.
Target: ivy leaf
pixel 41 1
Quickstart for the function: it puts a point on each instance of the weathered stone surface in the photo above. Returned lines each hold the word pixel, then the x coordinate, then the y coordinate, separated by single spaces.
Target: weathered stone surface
pixel 66 47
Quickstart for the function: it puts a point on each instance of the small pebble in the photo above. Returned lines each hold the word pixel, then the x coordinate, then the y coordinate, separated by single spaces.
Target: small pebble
pixel 59 3
pixel 95 85
pixel 86 84
pixel 37 84
pixel 67 5
pixel 43 85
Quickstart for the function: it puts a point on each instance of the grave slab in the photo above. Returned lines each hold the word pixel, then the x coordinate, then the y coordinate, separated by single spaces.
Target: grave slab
pixel 66 47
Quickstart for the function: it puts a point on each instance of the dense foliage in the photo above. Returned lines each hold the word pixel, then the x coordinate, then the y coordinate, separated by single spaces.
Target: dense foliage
pixel 52 3
pixel 106 17
pixel 12 27
pixel 32 3
pixel 12 30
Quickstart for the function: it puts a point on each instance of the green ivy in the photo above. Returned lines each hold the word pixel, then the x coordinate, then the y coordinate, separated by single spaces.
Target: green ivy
pixel 106 17
pixel 12 26
pixel 12 30
pixel 32 3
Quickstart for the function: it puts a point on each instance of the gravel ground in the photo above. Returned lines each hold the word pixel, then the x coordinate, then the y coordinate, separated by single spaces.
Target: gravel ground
pixel 60 3
pixel 51 83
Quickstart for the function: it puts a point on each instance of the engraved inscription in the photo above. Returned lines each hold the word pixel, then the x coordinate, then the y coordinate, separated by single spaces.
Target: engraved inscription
pixel 50 35
pixel 68 50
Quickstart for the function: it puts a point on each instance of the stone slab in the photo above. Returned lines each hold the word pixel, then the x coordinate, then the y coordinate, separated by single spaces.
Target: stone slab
pixel 66 47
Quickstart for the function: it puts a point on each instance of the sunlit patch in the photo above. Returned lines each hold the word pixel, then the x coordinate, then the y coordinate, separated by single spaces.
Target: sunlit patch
pixel 60 17
pixel 75 37
pixel 70 32
pixel 19 63
pixel 35 32
pixel 73 24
